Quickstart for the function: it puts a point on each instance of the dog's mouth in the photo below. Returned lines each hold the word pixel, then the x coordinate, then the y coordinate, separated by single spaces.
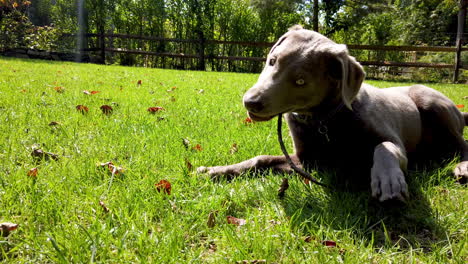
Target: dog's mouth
pixel 257 118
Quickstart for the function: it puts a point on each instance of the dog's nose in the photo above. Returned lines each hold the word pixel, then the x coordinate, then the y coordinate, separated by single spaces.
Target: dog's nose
pixel 253 106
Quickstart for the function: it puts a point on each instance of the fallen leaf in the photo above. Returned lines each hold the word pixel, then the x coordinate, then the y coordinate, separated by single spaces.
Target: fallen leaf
pixel 201 91
pixel 189 165
pixel 164 185
pixel 54 123
pixel 460 106
pixel 306 181
pixel 139 82
pixel 173 99
pixel 255 261
pixel 32 173
pixel 233 149
pixel 6 228
pixel 40 154
pixel 283 187
pixel 248 120
pixel 23 91
pixel 95 92
pixel 186 143
pixel 329 243
pixel 198 147
pixel 212 247
pixel 112 168
pixel 86 92
pixel 59 89
pixel 235 221
pixel 106 109
pixel 83 109
pixel 308 239
pixel 155 109
pixel 104 207
pixel 211 219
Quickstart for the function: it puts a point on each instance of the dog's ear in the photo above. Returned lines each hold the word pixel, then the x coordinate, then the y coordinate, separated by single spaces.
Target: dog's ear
pixel 349 73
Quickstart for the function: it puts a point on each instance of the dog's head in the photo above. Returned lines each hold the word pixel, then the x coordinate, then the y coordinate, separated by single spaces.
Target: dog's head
pixel 302 69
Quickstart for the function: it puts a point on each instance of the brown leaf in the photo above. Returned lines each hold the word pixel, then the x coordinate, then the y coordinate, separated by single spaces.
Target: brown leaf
pixel 54 123
pixel 164 186
pixel 198 147
pixel 23 91
pixel 329 243
pixel 188 164
pixel 112 168
pixel 248 120
pixel 95 92
pixel 235 221
pixel 173 99
pixel 106 109
pixel 211 219
pixel 6 228
pixel 155 109
pixel 104 207
pixel 59 89
pixel 40 154
pixel 139 82
pixel 233 149
pixel 83 109
pixel 32 173
pixel 307 181
pixel 460 106
pixel 283 187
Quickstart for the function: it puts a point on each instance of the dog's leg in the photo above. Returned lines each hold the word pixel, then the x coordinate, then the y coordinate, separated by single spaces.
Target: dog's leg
pixel 387 174
pixel 259 163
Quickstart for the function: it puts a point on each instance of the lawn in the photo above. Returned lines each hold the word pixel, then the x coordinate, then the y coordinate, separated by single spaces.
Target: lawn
pixel 76 209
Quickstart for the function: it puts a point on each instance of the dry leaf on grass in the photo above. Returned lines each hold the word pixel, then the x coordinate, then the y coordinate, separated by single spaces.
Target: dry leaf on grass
pixel 111 167
pixel 188 165
pixel 164 186
pixel 6 228
pixel 106 109
pixel 234 148
pixel 198 147
pixel 283 187
pixel 211 219
pixel 155 109
pixel 235 221
pixel 104 207
pixel 32 173
pixel 39 154
pixel 82 108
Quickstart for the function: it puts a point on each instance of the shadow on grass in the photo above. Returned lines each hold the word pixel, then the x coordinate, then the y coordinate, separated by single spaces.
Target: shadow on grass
pixel 393 224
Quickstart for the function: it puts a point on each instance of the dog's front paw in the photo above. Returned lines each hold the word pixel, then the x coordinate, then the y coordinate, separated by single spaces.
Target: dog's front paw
pixel 217 171
pixel 461 172
pixel 389 186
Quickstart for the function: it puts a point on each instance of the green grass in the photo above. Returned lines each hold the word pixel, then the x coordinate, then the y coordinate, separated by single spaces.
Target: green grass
pixel 58 212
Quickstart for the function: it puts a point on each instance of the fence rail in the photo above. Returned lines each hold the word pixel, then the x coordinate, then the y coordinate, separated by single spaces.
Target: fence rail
pixel 201 51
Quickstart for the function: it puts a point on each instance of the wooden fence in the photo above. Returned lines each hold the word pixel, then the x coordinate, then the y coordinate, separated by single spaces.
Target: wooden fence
pixel 216 52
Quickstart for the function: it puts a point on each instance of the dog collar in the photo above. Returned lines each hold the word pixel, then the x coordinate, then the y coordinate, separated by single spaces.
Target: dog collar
pixel 320 123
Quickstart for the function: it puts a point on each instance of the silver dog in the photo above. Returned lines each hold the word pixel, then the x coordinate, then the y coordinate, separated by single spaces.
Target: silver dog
pixel 337 121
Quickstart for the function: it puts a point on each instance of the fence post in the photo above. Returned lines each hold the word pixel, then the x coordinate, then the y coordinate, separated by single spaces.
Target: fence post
pixel 201 64
pixel 460 31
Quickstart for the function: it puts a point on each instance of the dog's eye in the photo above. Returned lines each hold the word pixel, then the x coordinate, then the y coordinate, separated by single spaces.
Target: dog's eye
pixel 272 61
pixel 300 81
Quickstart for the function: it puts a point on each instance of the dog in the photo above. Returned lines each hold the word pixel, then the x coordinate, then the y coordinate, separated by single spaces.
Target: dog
pixel 337 121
